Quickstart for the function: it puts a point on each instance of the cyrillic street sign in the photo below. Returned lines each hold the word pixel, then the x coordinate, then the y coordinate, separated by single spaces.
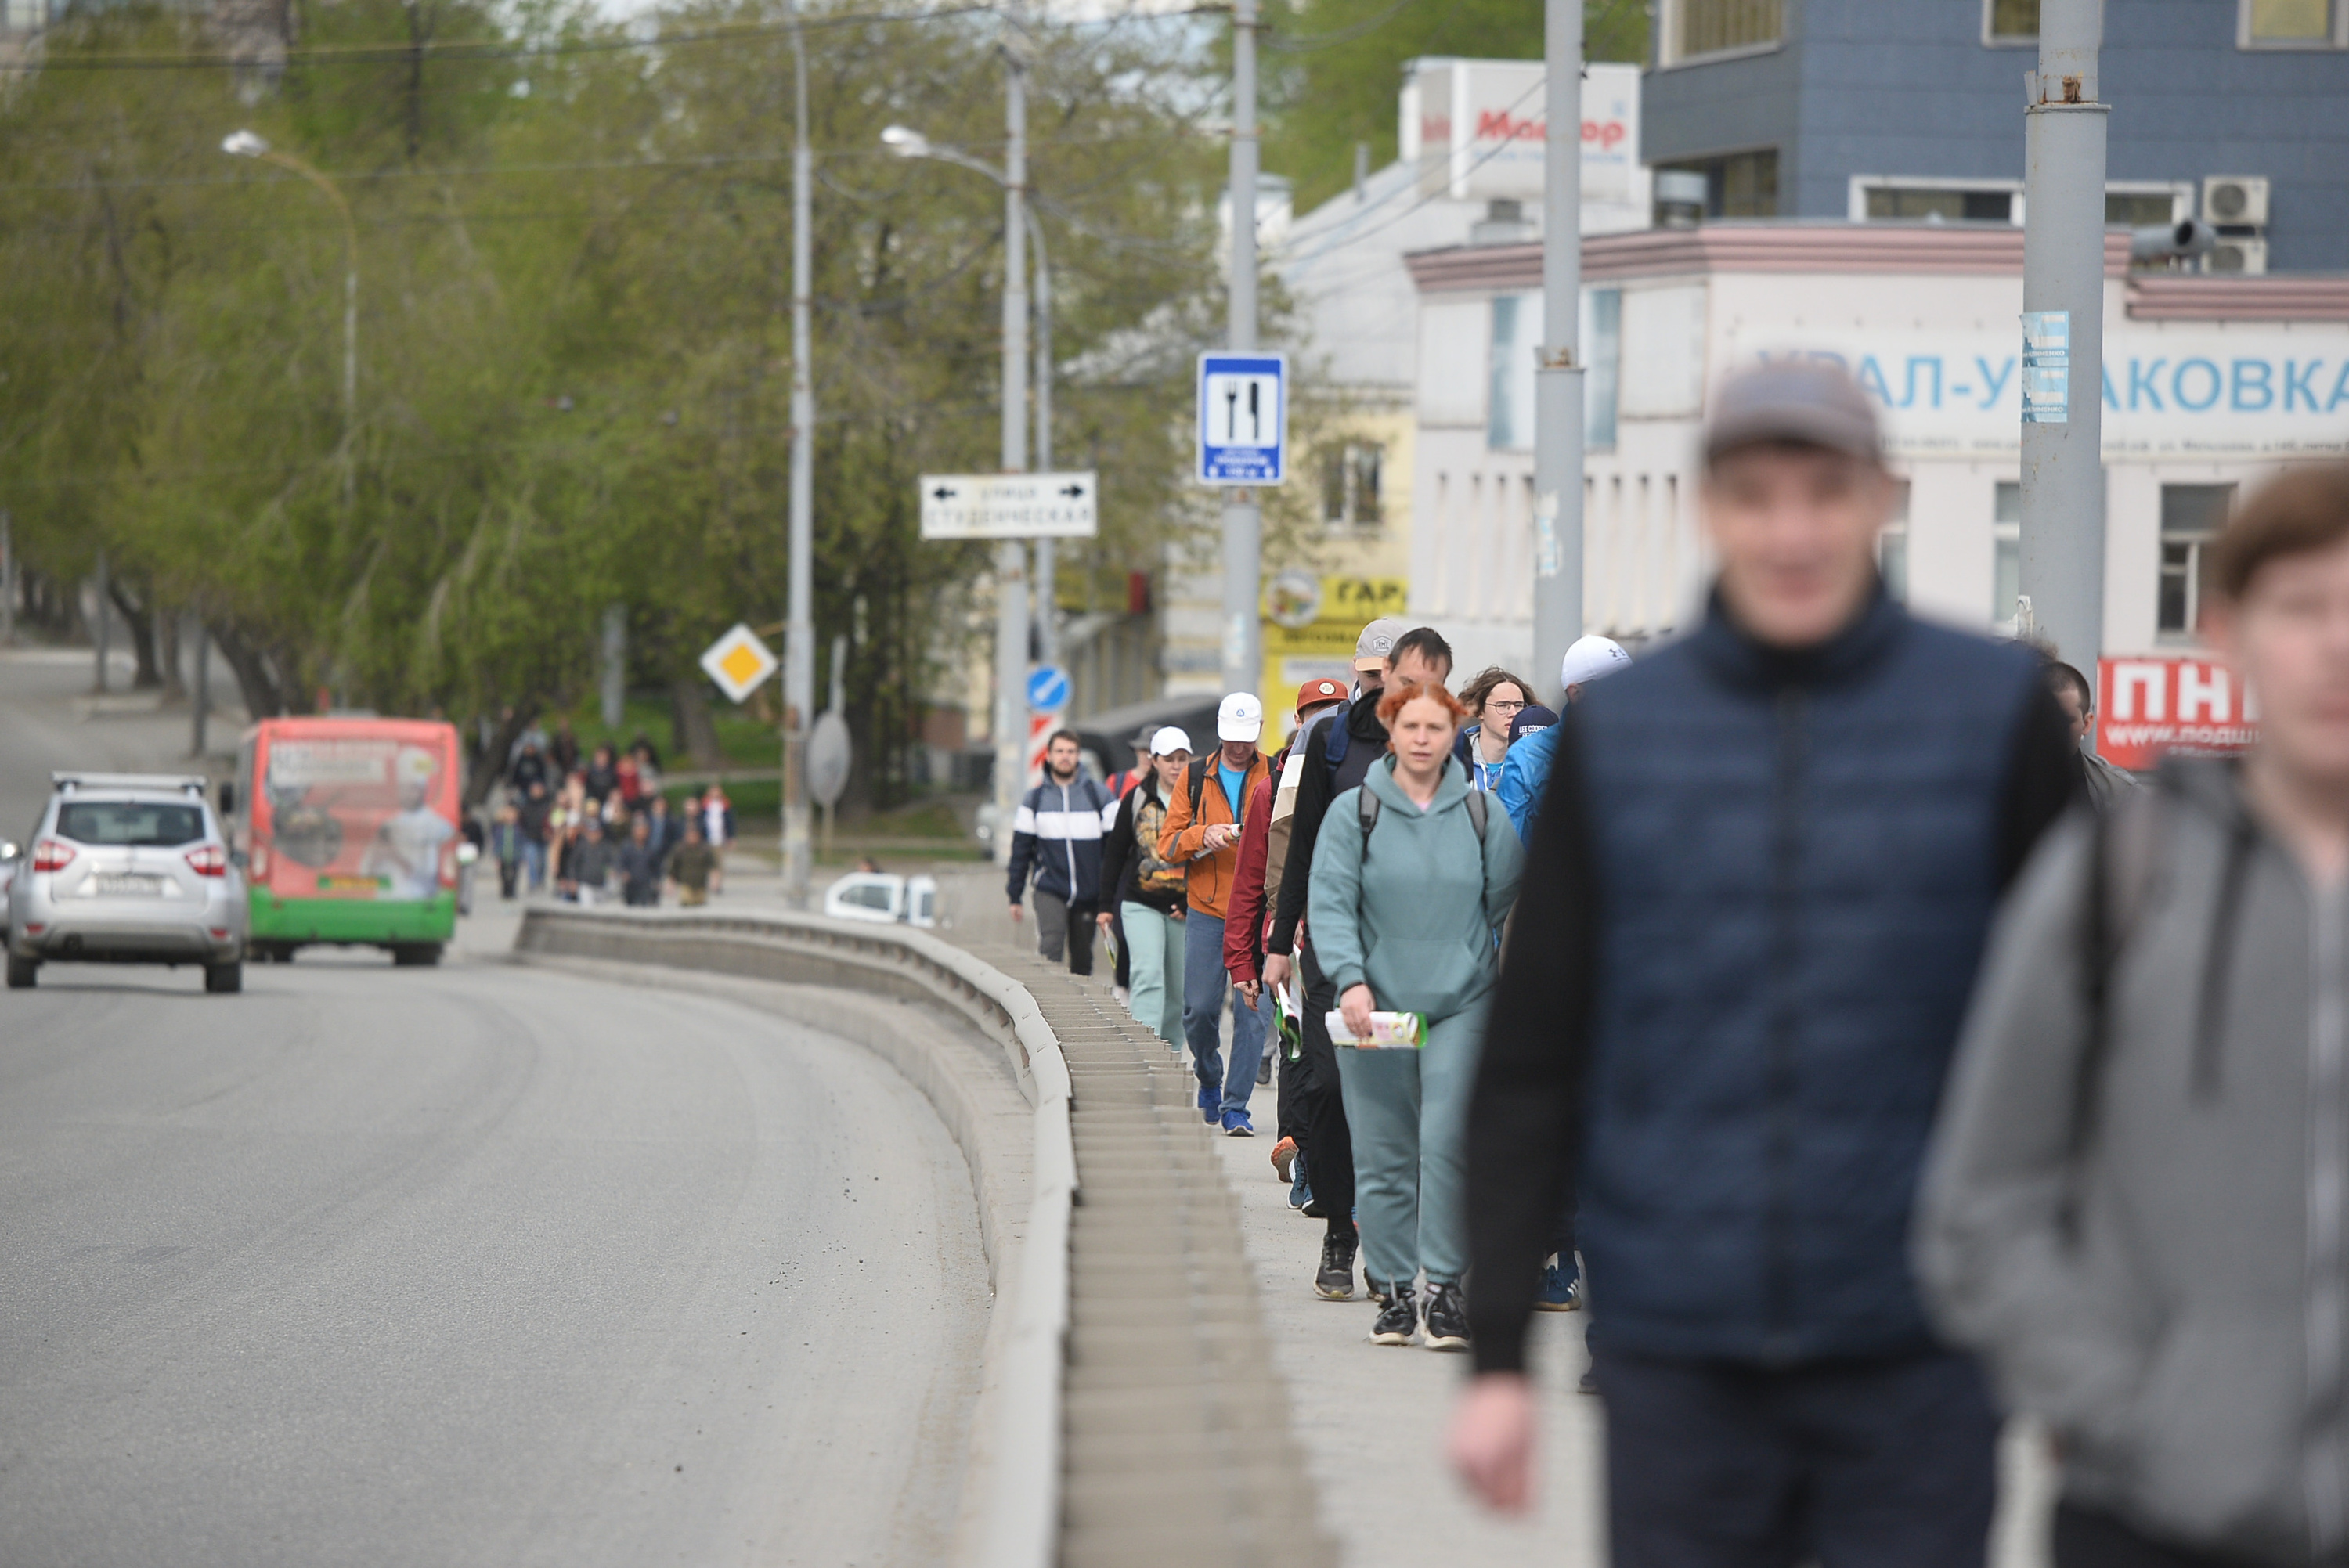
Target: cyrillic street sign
pixel 1009 505
pixel 1243 418
pixel 738 661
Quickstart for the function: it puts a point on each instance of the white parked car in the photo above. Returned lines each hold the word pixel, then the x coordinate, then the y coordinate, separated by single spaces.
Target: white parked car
pixel 883 898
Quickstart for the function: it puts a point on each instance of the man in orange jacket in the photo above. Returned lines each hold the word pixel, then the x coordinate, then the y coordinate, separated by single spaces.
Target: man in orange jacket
pixel 1202 833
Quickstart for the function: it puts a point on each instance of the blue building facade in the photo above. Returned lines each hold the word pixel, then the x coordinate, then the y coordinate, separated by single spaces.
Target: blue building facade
pixel 1913 110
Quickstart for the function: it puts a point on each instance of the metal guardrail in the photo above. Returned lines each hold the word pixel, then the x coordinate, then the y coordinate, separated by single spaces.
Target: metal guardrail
pixel 1018 1515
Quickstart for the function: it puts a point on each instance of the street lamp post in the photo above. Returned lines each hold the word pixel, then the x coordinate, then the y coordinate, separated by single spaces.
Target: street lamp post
pixel 1011 619
pixel 1242 653
pixel 1557 381
pixel 799 628
pixel 246 144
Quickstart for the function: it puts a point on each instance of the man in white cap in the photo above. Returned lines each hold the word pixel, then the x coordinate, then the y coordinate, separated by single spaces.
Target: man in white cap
pixel 1202 833
pixel 1525 769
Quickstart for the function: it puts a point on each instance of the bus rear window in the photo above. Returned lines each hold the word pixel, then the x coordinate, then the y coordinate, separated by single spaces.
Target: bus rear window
pixel 138 823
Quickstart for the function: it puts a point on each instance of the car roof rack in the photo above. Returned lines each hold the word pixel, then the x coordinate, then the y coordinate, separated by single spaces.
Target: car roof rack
pixel 186 783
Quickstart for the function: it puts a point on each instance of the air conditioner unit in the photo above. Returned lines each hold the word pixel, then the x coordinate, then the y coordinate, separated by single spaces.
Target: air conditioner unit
pixel 2236 254
pixel 2235 200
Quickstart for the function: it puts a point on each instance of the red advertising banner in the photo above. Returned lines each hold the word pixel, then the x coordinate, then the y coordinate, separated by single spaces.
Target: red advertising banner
pixel 2145 707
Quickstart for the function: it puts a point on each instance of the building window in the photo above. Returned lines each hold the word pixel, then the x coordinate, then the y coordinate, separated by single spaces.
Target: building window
pixel 1955 204
pixel 1602 357
pixel 2010 21
pixel 2191 516
pixel 2290 24
pixel 1715 27
pixel 1892 545
pixel 2142 209
pixel 1509 412
pixel 1739 185
pixel 2006 556
pixel 1349 484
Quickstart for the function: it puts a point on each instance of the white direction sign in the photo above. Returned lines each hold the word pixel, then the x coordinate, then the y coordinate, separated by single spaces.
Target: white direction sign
pixel 1243 418
pixel 1009 505
pixel 738 661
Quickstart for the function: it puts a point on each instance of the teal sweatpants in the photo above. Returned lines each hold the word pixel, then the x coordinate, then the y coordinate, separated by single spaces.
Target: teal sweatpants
pixel 1407 1111
pixel 1154 963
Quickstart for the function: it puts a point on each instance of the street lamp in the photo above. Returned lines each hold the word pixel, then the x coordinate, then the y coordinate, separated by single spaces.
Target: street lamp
pixel 1011 654
pixel 246 144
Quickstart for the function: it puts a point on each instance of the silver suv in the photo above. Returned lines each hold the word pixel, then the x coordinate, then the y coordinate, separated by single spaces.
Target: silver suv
pixel 126 868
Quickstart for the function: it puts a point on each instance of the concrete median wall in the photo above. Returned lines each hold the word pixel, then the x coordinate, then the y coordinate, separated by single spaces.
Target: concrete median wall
pixel 845 978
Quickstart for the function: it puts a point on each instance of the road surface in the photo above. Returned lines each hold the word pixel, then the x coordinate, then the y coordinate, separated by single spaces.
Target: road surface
pixel 479 1264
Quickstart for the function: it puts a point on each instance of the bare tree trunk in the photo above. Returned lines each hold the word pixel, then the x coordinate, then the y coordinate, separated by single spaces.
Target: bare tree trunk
pixel 171 633
pixel 142 635
pixel 254 682
pixel 691 727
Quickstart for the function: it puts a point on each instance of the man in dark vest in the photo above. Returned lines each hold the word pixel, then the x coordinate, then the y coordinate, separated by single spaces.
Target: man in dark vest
pixel 1768 857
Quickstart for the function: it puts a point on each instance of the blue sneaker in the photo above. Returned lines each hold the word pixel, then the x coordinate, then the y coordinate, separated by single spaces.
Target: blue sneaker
pixel 1560 1289
pixel 1237 1125
pixel 1211 1103
pixel 1300 1190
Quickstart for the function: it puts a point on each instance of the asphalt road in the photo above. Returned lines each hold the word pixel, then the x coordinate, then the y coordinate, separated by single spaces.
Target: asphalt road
pixel 483 1263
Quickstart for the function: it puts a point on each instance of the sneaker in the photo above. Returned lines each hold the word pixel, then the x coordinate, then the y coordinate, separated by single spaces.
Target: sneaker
pixel 1283 1153
pixel 1311 1207
pixel 1335 1280
pixel 1264 1070
pixel 1300 1190
pixel 1447 1316
pixel 1397 1319
pixel 1559 1291
pixel 1378 1290
pixel 1211 1103
pixel 1237 1125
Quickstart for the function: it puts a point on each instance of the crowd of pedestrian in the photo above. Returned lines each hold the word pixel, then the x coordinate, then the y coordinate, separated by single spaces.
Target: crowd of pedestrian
pixel 1805 1000
pixel 603 830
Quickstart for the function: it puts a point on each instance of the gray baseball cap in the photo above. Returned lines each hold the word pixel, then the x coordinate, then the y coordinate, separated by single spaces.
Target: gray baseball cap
pixel 1813 402
pixel 1376 644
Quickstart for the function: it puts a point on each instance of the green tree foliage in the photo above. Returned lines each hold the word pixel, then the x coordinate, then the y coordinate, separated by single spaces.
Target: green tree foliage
pixel 1334 68
pixel 574 332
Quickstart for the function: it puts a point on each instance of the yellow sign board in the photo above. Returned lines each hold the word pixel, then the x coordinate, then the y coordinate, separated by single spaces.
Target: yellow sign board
pixel 1307 616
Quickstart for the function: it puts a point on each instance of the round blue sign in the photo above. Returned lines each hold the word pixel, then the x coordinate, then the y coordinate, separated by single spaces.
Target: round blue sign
pixel 1048 689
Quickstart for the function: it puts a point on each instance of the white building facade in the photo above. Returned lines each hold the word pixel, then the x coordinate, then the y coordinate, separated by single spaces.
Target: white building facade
pixel 2210 384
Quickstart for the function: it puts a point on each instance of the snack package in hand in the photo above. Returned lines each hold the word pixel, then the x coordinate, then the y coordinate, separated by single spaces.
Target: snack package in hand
pixel 1388 1031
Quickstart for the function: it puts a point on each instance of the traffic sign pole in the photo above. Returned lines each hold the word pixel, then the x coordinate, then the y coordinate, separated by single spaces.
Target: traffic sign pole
pixel 1557 377
pixel 1243 522
pixel 798 617
pixel 1012 555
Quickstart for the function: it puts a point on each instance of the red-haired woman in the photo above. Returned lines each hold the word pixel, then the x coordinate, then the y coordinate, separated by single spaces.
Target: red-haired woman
pixel 1413 875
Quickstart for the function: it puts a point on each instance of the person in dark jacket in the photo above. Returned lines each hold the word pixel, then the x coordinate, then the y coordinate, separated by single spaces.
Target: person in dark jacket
pixel 592 861
pixel 1148 892
pixel 1057 837
pixel 1750 919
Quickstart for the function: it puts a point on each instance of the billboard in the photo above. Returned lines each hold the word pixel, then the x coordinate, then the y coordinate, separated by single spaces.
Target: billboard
pixel 1475 129
pixel 2147 705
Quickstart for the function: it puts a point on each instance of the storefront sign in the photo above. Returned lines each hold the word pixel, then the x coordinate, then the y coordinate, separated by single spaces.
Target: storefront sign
pixel 1483 123
pixel 2145 707
pixel 1319 618
pixel 2242 392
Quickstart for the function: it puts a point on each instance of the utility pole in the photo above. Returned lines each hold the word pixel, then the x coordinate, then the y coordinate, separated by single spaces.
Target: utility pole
pixel 1011 554
pixel 199 707
pixel 1243 521
pixel 1558 379
pixel 799 619
pixel 1048 598
pixel 104 630
pixel 2062 544
pixel 7 581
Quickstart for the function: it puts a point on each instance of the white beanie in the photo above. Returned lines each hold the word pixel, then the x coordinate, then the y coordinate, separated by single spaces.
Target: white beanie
pixel 1592 658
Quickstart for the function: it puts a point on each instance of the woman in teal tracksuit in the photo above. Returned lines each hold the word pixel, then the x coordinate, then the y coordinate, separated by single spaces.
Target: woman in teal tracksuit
pixel 1405 921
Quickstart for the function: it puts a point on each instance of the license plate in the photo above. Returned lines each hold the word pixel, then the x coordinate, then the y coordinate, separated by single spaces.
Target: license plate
pixel 125 885
pixel 365 886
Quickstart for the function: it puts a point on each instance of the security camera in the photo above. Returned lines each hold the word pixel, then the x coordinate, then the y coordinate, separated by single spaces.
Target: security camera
pixel 2181 241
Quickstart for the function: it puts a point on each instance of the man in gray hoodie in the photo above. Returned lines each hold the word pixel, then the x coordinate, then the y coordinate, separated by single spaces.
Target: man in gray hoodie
pixel 2136 1210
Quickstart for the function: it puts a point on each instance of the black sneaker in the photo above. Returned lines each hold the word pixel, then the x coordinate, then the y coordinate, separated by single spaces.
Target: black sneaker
pixel 1397 1319
pixel 1264 1069
pixel 1447 1316
pixel 1378 1290
pixel 1336 1280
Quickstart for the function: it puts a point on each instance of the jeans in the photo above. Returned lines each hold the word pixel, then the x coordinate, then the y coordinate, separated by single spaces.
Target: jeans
pixel 1154 945
pixel 1204 986
pixel 1408 1114
pixel 1059 923
pixel 1885 1461
pixel 533 862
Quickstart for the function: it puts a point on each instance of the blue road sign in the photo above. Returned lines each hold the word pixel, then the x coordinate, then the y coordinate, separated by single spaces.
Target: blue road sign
pixel 1048 689
pixel 1243 418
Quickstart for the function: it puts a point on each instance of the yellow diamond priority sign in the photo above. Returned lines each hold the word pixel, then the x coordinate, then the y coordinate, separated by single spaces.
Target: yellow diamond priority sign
pixel 738 661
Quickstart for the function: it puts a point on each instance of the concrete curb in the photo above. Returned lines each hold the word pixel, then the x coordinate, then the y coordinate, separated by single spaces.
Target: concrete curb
pixel 1011 1507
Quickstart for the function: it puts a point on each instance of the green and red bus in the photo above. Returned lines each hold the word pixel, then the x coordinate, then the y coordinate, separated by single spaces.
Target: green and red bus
pixel 349 830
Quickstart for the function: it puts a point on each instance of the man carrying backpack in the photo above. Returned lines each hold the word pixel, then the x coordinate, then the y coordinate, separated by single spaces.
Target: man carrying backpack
pixel 1058 834
pixel 1202 833
pixel 2134 1207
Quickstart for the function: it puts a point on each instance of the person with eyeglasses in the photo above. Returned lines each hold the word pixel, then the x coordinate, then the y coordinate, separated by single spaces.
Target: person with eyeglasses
pixel 1493 699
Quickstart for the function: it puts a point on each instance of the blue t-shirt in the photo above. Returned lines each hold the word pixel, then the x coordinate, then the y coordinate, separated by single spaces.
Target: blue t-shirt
pixel 1233 779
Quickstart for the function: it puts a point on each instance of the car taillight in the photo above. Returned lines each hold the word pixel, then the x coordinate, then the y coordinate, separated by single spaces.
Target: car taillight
pixel 49 855
pixel 211 861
